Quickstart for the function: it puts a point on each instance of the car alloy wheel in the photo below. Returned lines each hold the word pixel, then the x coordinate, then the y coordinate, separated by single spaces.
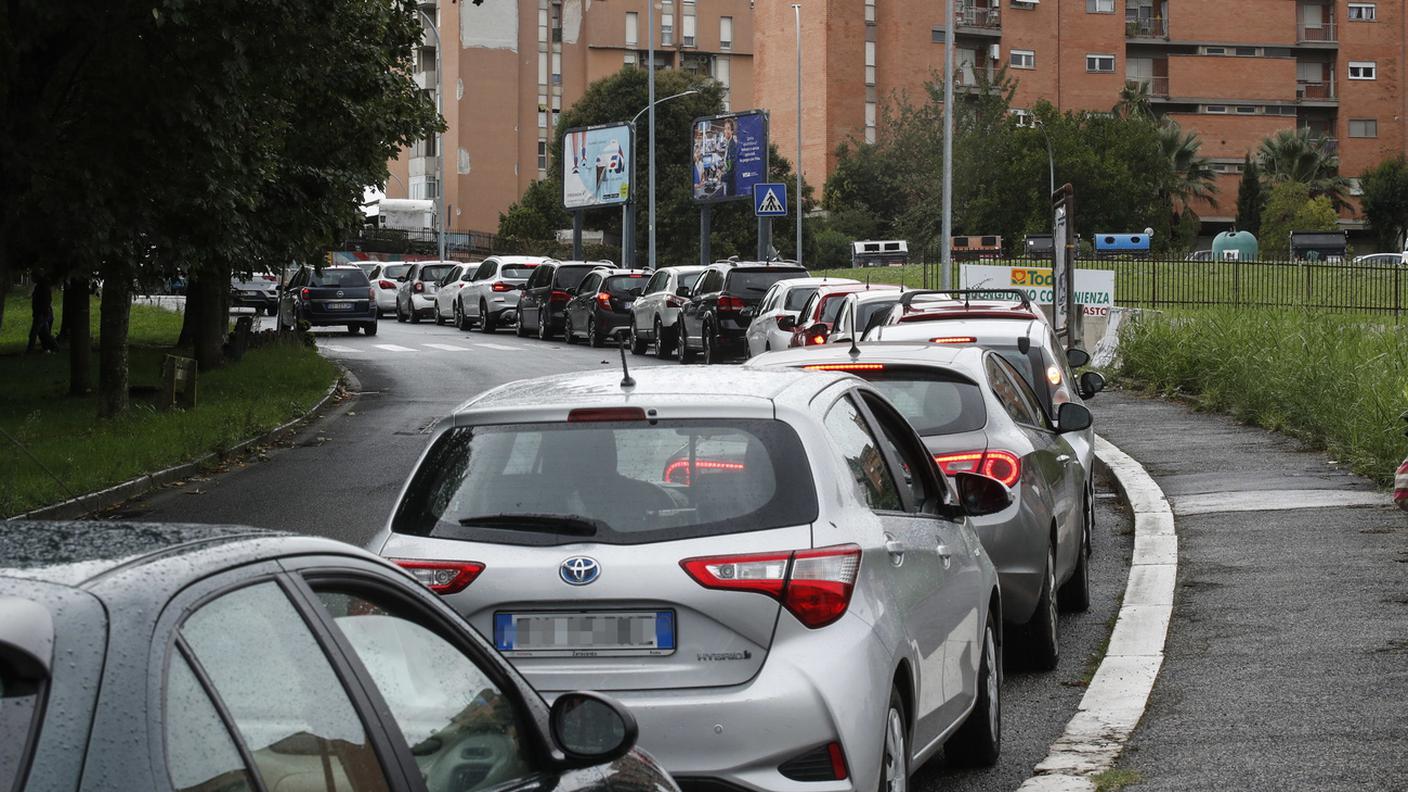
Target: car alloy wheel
pixel 706 342
pixel 894 766
pixel 662 347
pixel 638 344
pixel 567 330
pixel 488 323
pixel 460 323
pixel 978 742
pixel 543 332
pixel 682 353
pixel 593 339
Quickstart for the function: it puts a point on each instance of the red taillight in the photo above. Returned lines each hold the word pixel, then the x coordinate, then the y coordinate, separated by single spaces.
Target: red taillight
pixel 953 340
pixel 674 302
pixel 559 295
pixel 845 367
pixel 729 302
pixel 442 577
pixel 603 299
pixel 838 761
pixel 678 472
pixel 500 286
pixel 590 414
pixel 418 287
pixel 1004 466
pixel 813 585
pixel 306 294
pixel 816 338
pixel 386 284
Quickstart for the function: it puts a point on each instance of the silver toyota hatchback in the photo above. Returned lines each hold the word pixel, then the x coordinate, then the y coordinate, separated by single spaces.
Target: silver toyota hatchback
pixel 767 567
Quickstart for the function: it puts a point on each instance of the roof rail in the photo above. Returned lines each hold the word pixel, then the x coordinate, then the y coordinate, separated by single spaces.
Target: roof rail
pixel 966 294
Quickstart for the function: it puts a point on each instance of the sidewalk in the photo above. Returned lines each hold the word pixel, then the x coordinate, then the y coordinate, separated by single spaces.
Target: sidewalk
pixel 1287 659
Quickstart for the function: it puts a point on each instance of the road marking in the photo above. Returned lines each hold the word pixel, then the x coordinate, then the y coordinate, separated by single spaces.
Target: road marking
pixel 394 348
pixel 447 347
pixel 1274 500
pixel 341 350
pixel 1118 693
pixel 502 347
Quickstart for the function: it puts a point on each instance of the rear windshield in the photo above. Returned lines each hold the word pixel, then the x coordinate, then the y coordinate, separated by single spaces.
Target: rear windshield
pixel 571 277
pixel 616 483
pixel 339 277
pixel 798 297
pixel 395 270
pixel 624 285
pixel 521 271
pixel 19 706
pixel 831 307
pixel 435 272
pixel 868 312
pixel 753 284
pixel 935 402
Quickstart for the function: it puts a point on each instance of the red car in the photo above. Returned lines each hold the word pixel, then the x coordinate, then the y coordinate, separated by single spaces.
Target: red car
pixel 1400 486
pixel 818 315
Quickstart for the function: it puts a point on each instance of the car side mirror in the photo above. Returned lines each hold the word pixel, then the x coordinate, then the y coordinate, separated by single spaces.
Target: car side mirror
pixel 980 495
pixel 591 729
pixel 1073 417
pixel 786 322
pixel 522 287
pixel 682 291
pixel 1077 357
pixel 817 333
pixel 1091 383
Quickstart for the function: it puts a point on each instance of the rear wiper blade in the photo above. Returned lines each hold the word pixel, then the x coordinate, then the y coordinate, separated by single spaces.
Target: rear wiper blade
pixel 544 523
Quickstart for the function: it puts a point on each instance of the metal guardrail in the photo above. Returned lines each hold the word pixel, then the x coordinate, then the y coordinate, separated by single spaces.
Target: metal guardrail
pixel 1324 32
pixel 978 16
pixel 1322 285
pixel 1148 27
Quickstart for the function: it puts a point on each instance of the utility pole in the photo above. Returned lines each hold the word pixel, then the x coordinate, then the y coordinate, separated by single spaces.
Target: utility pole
pixel 946 270
pixel 442 215
pixel 797 202
pixel 650 119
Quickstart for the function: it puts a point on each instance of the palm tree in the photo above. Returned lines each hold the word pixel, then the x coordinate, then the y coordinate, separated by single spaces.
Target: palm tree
pixel 1135 100
pixel 1192 175
pixel 1306 157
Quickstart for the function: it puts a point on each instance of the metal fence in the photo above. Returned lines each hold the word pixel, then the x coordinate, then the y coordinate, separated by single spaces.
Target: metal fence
pixel 1323 285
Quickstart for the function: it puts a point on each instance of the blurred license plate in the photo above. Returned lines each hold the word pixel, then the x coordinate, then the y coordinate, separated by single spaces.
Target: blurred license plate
pixel 600 634
pixel 626 305
pixel 339 306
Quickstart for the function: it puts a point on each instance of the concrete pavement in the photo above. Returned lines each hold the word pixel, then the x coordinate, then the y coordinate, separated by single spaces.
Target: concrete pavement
pixel 1286 666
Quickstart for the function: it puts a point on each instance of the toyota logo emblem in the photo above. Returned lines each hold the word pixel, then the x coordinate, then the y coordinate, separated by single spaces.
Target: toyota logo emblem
pixel 339 292
pixel 579 571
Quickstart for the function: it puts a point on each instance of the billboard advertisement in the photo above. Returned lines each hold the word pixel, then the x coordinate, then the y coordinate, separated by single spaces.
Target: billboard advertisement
pixel 596 166
pixel 1095 289
pixel 730 155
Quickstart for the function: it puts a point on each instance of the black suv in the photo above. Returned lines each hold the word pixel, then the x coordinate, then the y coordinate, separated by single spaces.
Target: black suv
pixel 547 291
pixel 329 296
pixel 716 317
pixel 603 304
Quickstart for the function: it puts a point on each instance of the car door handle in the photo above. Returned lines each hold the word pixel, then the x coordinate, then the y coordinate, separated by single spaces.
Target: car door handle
pixel 1063 458
pixel 943 552
pixel 895 547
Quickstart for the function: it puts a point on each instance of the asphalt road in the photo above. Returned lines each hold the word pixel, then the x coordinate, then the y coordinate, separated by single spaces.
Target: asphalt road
pixel 340 475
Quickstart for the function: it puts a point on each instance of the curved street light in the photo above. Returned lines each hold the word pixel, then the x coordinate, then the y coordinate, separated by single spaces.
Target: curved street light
pixel 628 216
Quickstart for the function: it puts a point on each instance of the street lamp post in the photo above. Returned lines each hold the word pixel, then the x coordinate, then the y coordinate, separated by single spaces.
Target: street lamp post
pixel 1050 153
pixel 441 216
pixel 946 255
pixel 650 109
pixel 797 16
pixel 628 216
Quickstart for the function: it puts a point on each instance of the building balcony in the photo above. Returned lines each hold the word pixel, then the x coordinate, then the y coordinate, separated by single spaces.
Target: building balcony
pixel 1157 86
pixel 1155 27
pixel 1324 33
pixel 978 17
pixel 1315 91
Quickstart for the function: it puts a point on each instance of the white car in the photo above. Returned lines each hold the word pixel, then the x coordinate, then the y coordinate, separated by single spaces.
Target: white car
pixel 1380 259
pixel 655 313
pixel 860 312
pixel 386 278
pixel 490 297
pixel 415 296
pixel 776 316
pixel 448 288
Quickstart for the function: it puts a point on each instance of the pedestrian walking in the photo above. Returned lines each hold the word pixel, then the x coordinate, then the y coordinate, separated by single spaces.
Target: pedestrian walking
pixel 41 323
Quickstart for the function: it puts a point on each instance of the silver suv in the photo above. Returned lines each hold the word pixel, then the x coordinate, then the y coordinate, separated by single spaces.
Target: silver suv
pixel 782 586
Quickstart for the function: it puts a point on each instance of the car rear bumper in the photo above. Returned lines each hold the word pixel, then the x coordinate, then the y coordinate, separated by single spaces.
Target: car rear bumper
pixel 737 736
pixel 386 299
pixel 501 303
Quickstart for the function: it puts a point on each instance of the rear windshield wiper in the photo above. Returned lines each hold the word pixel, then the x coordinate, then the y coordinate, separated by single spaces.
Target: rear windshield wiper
pixel 544 523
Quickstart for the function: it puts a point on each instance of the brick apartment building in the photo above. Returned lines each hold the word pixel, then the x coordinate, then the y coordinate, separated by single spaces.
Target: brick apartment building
pixel 1234 72
pixel 511 65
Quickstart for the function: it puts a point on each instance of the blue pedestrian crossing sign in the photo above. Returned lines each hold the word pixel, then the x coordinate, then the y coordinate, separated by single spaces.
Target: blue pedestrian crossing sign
pixel 770 199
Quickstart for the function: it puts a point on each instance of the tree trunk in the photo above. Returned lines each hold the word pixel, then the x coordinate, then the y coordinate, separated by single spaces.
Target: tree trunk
pixel 116 308
pixel 80 340
pixel 212 321
pixel 192 314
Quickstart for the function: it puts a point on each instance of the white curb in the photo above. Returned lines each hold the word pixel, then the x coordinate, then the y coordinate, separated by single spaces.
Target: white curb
pixel 1115 700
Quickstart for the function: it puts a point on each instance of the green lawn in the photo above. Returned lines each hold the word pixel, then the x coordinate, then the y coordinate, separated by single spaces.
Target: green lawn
pixel 1168 284
pixel 268 387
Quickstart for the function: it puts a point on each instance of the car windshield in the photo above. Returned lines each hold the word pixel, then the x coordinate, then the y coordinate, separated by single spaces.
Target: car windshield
pixel 571 277
pixel 688 279
pixel 831 307
pixel 868 311
pixel 395 270
pixel 516 271
pixel 617 482
pixel 338 277
pixel 624 285
pixel 753 284
pixel 935 401
pixel 19 705
pixel 435 272
pixel 796 298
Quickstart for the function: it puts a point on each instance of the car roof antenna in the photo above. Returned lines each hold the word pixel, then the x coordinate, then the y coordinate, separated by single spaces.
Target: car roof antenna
pixel 855 348
pixel 627 381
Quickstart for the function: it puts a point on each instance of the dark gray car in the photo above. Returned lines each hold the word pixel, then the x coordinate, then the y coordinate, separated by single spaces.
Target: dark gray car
pixel 185 657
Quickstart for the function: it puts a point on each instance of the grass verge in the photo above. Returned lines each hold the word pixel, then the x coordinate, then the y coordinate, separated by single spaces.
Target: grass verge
pixel 1115 779
pixel 268 387
pixel 1334 382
